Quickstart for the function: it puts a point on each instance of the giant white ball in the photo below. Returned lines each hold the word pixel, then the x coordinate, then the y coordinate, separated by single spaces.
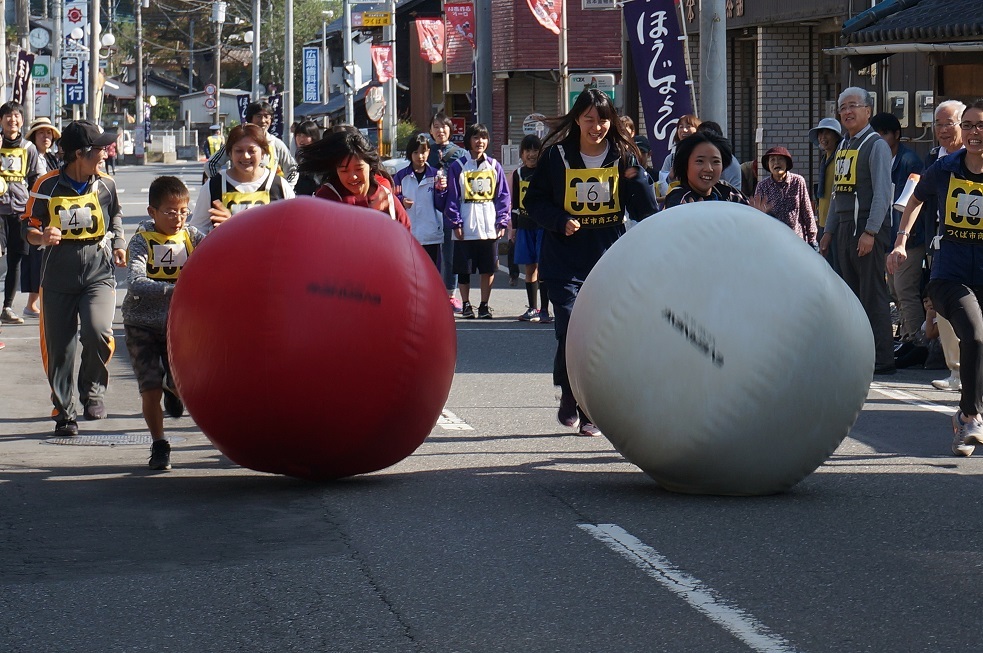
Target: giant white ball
pixel 718 352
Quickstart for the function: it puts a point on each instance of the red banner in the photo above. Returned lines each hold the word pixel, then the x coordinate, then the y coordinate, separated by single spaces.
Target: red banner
pixel 547 12
pixel 460 21
pixel 431 34
pixel 382 61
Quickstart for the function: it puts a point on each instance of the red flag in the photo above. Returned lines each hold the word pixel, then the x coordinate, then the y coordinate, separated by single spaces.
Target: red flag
pixel 547 12
pixel 382 61
pixel 460 21
pixel 431 34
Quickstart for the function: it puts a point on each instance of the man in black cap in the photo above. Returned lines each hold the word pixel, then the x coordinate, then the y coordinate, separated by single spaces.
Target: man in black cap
pixel 74 213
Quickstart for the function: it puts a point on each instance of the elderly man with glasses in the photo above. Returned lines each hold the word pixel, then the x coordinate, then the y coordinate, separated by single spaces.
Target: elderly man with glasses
pixel 859 223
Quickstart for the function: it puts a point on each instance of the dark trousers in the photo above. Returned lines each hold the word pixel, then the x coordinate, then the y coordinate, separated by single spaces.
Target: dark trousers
pixel 433 251
pixel 69 319
pixel 447 261
pixel 866 277
pixel 960 304
pixel 14 244
pixel 563 295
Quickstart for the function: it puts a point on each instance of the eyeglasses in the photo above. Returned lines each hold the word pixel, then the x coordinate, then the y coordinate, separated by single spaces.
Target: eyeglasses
pixel 945 125
pixel 851 106
pixel 173 213
pixel 970 126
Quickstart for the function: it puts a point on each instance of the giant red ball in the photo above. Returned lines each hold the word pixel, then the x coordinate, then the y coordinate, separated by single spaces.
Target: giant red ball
pixel 312 339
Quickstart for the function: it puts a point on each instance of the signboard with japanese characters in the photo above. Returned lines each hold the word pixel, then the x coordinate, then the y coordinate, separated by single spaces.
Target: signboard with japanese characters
pixel 312 74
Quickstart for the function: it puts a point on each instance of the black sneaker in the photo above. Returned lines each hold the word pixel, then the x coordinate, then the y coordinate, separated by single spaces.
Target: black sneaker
pixel 484 312
pixel 467 311
pixel 95 409
pixel 66 428
pixel 172 403
pixel 160 455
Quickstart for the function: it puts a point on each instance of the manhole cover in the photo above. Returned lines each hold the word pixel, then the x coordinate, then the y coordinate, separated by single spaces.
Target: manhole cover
pixel 124 439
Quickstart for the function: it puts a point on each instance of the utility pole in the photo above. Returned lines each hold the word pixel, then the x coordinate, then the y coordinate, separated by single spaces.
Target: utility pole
pixel 139 149
pixel 23 33
pixel 94 43
pixel 57 88
pixel 288 74
pixel 257 22
pixel 391 115
pixel 483 63
pixel 218 15
pixel 348 66
pixel 713 62
pixel 564 63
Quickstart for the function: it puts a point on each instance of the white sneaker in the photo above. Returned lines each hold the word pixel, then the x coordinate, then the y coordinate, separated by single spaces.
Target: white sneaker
pixel 953 384
pixel 965 434
pixel 7 316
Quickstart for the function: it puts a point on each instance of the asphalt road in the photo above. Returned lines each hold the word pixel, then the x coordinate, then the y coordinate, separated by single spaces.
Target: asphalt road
pixel 503 532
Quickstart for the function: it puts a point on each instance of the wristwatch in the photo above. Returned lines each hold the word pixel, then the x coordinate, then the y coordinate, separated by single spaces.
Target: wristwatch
pixel 872 234
pixel 901 232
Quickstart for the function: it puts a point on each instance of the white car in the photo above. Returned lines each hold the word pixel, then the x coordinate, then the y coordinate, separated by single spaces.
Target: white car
pixel 127 143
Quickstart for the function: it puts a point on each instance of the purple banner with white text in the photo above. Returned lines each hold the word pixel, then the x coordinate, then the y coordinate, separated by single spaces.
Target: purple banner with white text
pixel 653 31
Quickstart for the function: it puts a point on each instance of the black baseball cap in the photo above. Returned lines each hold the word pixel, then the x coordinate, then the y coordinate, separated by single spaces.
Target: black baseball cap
pixel 81 134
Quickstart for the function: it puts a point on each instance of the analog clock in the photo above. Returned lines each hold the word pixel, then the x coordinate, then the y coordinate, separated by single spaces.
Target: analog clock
pixel 39 37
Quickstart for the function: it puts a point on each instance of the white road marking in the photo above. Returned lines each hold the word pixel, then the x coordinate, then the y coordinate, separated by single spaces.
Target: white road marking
pixel 909 398
pixel 451 422
pixel 692 590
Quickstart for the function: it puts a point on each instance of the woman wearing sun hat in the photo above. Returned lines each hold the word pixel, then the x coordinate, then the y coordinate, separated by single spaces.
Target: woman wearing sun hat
pixel 43 135
pixel 826 136
pixel 786 195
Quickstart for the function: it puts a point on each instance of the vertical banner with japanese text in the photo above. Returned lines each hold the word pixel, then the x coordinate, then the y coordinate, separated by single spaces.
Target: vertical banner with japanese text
pixel 242 101
pixel 547 12
pixel 382 61
pixel 652 28
pixel 312 74
pixel 22 76
pixel 460 20
pixel 277 127
pixel 431 34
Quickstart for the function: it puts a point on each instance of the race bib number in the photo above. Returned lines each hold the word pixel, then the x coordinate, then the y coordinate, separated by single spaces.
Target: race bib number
pixel 78 218
pixel 170 255
pixel 238 202
pixel 479 186
pixel 592 196
pixel 845 171
pixel 964 211
pixel 166 254
pixel 13 164
pixel 593 192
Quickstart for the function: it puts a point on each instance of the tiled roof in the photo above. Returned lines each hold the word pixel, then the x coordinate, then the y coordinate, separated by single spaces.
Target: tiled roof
pixel 927 21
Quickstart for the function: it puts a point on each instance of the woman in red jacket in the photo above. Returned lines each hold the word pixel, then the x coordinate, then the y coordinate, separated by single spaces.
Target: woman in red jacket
pixel 352 172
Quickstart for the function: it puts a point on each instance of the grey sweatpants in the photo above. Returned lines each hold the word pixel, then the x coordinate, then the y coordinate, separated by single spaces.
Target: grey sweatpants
pixel 86 314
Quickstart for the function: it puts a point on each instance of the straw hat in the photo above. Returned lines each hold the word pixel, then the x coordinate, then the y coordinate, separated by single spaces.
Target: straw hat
pixel 42 123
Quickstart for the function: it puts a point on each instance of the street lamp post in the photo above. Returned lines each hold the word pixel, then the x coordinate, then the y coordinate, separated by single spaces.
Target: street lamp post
pixel 94 6
pixel 288 82
pixel 348 66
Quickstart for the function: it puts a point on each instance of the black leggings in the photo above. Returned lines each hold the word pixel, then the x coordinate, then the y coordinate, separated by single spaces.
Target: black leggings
pixel 960 304
pixel 15 246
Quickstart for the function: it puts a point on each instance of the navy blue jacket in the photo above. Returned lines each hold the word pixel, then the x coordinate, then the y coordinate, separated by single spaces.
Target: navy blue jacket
pixel 571 258
pixel 954 261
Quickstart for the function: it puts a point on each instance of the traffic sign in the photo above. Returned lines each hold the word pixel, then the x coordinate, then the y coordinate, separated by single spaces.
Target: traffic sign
pixel 209 103
pixel 210 89
pixel 376 19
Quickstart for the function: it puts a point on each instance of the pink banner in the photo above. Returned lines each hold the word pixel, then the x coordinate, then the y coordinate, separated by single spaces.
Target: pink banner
pixel 547 12
pixel 431 34
pixel 382 61
pixel 460 21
